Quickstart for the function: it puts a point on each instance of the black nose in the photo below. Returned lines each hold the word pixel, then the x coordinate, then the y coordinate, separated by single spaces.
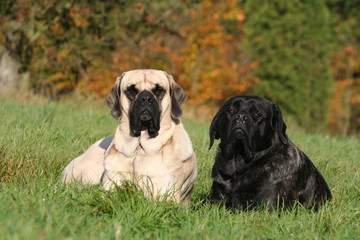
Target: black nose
pixel 241 117
pixel 145 98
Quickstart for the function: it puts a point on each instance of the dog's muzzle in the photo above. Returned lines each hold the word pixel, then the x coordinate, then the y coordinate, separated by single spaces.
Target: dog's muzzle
pixel 240 125
pixel 241 134
pixel 144 115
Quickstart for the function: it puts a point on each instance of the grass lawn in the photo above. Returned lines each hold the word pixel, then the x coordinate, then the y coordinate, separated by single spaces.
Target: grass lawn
pixel 38 140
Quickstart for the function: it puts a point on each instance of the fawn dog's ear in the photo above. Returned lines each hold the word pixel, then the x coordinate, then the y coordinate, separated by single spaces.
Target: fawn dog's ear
pixel 113 99
pixel 178 97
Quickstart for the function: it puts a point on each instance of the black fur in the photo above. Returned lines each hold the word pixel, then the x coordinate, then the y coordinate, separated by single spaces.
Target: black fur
pixel 144 114
pixel 256 163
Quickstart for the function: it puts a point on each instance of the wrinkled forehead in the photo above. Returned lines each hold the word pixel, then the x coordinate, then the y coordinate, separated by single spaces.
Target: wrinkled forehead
pixel 250 103
pixel 145 79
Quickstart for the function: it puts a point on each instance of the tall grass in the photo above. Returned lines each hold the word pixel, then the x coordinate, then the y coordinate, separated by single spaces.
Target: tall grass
pixel 37 142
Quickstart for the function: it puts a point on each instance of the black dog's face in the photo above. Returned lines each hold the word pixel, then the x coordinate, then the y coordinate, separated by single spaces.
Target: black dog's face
pixel 247 125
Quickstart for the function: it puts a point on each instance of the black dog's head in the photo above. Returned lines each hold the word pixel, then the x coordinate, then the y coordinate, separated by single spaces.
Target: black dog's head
pixel 247 125
pixel 148 98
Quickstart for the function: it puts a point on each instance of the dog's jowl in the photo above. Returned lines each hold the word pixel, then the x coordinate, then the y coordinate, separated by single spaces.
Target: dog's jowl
pixel 150 148
pixel 256 163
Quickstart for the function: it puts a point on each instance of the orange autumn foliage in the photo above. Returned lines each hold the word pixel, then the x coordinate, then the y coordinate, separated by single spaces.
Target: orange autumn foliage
pixel 344 104
pixel 203 53
pixel 211 65
pixel 82 46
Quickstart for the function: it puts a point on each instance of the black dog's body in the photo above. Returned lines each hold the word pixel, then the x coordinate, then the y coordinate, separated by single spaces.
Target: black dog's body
pixel 257 163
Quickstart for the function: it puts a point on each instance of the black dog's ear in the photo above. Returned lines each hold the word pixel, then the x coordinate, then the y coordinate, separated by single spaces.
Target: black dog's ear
pixel 178 97
pixel 113 99
pixel 214 128
pixel 278 124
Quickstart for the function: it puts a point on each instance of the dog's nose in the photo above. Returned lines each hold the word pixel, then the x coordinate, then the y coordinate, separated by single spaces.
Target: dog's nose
pixel 241 117
pixel 146 98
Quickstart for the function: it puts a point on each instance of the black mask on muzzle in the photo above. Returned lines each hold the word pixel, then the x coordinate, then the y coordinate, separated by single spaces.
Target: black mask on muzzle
pixel 144 115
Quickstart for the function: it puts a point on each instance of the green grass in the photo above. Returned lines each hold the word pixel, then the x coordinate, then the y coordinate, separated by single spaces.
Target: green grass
pixel 37 142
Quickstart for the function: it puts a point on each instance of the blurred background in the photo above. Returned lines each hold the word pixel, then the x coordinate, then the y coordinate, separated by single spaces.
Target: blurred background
pixel 303 55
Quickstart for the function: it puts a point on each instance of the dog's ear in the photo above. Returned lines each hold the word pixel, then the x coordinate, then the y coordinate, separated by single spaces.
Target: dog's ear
pixel 214 128
pixel 178 96
pixel 278 124
pixel 113 99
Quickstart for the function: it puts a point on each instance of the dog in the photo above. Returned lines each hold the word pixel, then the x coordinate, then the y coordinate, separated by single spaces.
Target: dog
pixel 256 163
pixel 150 148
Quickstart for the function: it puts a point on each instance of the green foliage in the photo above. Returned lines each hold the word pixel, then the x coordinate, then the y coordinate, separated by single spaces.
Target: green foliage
pixel 73 45
pixel 345 98
pixel 65 46
pixel 38 141
pixel 291 40
pixel 344 13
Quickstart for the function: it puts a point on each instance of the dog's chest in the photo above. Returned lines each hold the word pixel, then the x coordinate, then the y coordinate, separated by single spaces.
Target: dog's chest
pixel 156 165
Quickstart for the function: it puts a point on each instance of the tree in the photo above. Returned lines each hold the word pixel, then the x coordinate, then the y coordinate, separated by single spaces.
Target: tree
pixel 211 64
pixel 83 45
pixel 344 117
pixel 291 41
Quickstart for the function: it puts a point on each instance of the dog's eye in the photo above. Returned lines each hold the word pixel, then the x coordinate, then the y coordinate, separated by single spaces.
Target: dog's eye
pixel 257 114
pixel 231 111
pixel 131 91
pixel 159 91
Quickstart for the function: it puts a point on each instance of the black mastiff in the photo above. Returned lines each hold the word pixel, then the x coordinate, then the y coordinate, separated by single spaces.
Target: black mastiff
pixel 256 163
